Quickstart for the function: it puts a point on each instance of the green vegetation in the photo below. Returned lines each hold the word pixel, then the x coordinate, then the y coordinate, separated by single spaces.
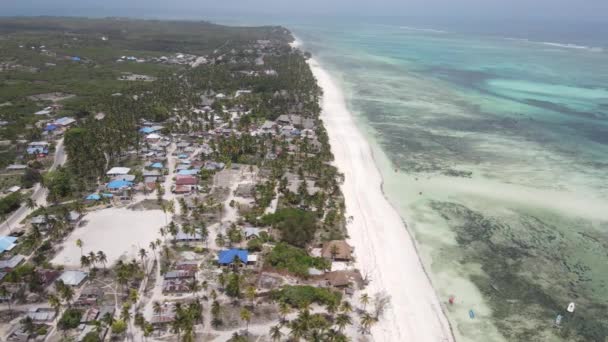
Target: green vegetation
pixel 10 203
pixel 70 319
pixel 294 260
pixel 297 226
pixel 302 295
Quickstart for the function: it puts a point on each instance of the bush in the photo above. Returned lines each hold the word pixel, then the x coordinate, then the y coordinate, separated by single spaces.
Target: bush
pixel 294 260
pixel 91 337
pixel 30 177
pixel 119 327
pixel 70 319
pixel 297 226
pixel 10 203
pixel 254 245
pixel 299 295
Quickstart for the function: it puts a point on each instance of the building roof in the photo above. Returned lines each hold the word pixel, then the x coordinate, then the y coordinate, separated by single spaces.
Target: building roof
pixel 185 180
pixel 65 121
pixel 341 251
pixel 119 184
pixel 252 231
pixel 118 171
pixel 226 257
pixel 16 167
pixel 73 278
pixel 7 243
pixel 128 178
pixel 181 236
pixel 157 165
pixel 41 314
pixel 12 262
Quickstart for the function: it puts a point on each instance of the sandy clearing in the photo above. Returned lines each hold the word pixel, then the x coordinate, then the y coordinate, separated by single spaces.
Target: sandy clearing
pixel 116 231
pixel 383 247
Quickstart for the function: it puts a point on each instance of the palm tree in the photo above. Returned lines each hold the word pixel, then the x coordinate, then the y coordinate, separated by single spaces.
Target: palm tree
pixel 101 257
pixel 157 307
pixel 250 293
pixel 204 235
pixel 275 333
pixel 342 320
pixel 246 316
pixel 85 261
pixel 4 293
pixel 153 248
pixel 284 310
pixel 364 300
pixel 30 203
pixel 55 303
pixel 194 286
pixel 92 258
pixel 366 322
pixel 346 307
pixel 79 244
pixel 142 256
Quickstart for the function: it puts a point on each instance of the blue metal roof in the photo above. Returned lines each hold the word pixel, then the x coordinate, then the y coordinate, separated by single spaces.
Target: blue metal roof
pixel 226 257
pixel 157 166
pixel 188 172
pixel 118 184
pixel 7 243
pixel 146 130
pixel 93 197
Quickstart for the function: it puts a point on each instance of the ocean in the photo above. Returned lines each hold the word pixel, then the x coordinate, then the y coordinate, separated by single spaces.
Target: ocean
pixel 493 147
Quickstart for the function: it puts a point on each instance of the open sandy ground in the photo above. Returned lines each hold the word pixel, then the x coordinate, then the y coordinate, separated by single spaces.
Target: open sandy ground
pixel 116 231
pixel 383 247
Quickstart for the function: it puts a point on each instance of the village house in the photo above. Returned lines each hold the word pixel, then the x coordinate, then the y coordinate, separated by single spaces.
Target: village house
pixel 118 171
pixel 73 278
pixel 337 250
pixel 39 148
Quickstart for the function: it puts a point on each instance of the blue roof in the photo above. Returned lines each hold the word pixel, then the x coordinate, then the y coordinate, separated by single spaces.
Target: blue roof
pixel 117 184
pixel 7 242
pixel 107 195
pixel 93 197
pixel 226 257
pixel 146 130
pixel 182 156
pixel 50 127
pixel 76 59
pixel 157 166
pixel 187 172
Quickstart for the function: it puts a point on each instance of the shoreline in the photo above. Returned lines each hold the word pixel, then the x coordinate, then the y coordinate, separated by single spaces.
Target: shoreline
pixel 384 247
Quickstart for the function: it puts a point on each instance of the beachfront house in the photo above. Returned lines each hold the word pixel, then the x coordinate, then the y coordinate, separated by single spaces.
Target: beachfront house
pixel 337 250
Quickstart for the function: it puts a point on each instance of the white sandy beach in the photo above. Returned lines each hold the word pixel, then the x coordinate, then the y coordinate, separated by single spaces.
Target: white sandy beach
pixel 383 247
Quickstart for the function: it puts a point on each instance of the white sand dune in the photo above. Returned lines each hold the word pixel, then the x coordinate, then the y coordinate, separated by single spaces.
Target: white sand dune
pixel 118 232
pixel 383 247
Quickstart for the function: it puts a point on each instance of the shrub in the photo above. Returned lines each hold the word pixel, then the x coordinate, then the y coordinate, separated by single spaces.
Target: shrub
pixel 254 245
pixel 297 226
pixel 294 260
pixel 119 327
pixel 10 203
pixel 298 295
pixel 70 319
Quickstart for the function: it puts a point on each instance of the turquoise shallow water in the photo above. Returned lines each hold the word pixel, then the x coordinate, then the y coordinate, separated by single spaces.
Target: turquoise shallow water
pixel 495 151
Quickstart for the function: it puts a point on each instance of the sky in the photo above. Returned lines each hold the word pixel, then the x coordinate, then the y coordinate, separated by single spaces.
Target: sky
pixel 573 10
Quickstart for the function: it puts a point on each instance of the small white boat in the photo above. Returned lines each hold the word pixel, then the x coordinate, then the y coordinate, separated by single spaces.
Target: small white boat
pixel 571 307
